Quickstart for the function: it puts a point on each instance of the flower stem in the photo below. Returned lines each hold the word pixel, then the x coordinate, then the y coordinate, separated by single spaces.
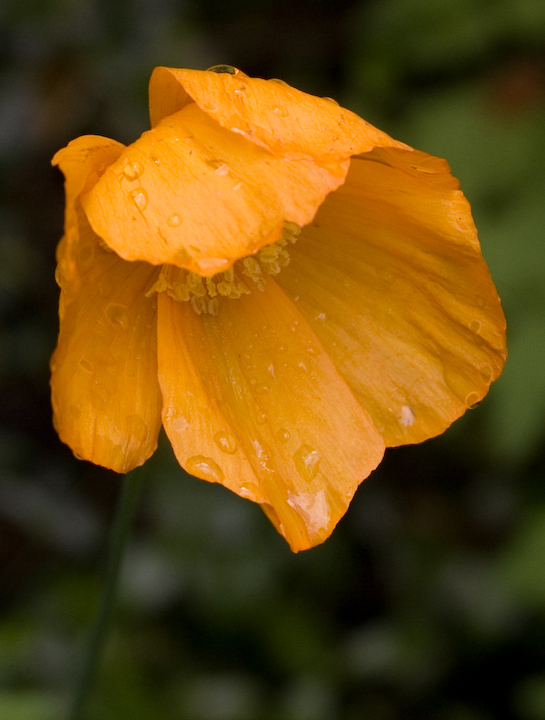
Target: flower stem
pixel 132 483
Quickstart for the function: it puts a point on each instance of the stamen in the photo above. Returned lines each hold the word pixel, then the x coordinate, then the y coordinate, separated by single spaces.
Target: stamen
pixel 183 286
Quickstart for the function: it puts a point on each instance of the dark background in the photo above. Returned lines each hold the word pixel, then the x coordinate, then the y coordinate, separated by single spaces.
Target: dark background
pixel 429 599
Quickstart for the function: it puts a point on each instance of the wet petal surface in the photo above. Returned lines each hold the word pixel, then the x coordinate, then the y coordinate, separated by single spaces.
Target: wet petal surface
pixel 391 279
pixel 251 400
pixel 105 393
pixel 284 119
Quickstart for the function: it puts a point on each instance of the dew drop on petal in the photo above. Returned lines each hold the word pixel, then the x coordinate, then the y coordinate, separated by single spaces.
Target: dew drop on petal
pixel 307 461
pixel 229 69
pixel 226 442
pixel 222 170
pixel 486 372
pixel 115 314
pixel 140 198
pixel 132 170
pixel 281 111
pixel 406 416
pixel 86 365
pixel 205 468
pixel 174 220
pixel 475 326
pixel 283 435
pixel 472 400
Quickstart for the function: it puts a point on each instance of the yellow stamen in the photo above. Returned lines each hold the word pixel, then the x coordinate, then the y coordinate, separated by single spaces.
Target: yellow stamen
pixel 202 293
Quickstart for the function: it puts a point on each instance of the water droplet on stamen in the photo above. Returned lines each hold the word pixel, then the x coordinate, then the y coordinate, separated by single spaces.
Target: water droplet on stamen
pixel 174 220
pixel 140 198
pixel 133 170
pixel 205 468
pixel 226 442
pixel 307 461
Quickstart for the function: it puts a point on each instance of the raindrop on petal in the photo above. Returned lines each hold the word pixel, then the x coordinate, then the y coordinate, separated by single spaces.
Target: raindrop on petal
pixel 132 170
pixel 472 400
pixel 140 198
pixel 205 468
pixel 226 442
pixel 307 461
pixel 175 220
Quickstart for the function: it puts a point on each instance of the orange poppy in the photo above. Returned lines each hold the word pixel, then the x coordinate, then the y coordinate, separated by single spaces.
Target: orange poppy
pixel 282 286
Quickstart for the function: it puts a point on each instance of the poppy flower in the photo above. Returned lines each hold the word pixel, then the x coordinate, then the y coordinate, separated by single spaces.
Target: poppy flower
pixel 285 288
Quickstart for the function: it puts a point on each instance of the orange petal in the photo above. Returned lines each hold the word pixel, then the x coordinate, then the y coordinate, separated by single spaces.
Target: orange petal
pixel 82 162
pixel 391 279
pixel 271 112
pixel 191 194
pixel 105 392
pixel 251 400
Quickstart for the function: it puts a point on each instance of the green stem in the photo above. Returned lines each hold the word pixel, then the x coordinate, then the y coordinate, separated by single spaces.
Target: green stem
pixel 132 483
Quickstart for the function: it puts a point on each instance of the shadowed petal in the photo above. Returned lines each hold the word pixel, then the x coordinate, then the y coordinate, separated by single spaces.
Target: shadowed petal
pixel 82 162
pixel 251 400
pixel 391 278
pixel 105 392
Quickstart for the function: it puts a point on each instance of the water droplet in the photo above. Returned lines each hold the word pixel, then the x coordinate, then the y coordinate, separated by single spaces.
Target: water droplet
pixel 115 313
pixel 406 416
pixel 215 163
pixel 281 111
pixel 222 170
pixel 475 326
pixel 262 389
pixel 86 366
pixel 175 220
pixel 283 435
pixel 180 424
pixel 237 187
pixel 261 418
pixel 228 69
pixel 307 461
pixel 331 100
pixel 140 198
pixel 277 81
pixel 313 508
pixel 204 467
pixel 133 170
pixel 486 371
pixel 226 442
pixel 472 400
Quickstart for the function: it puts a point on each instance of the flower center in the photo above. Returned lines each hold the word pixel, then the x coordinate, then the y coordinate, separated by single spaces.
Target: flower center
pixel 203 293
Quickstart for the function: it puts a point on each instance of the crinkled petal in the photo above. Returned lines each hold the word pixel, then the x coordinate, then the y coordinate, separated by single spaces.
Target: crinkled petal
pixel 391 278
pixel 284 119
pixel 82 162
pixel 106 399
pixel 190 193
pixel 251 400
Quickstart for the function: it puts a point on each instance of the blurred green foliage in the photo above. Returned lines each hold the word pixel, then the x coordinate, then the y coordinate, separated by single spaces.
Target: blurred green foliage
pixel 429 599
